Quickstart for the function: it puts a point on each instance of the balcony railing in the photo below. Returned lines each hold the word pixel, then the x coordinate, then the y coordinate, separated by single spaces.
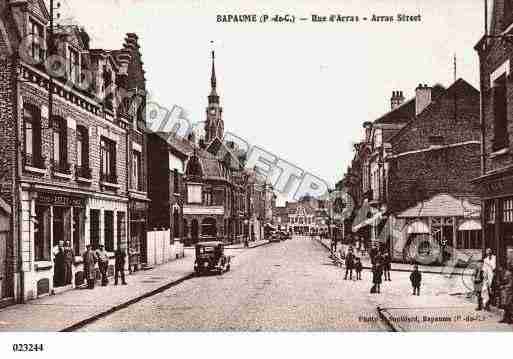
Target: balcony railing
pixel 109 177
pixel 61 167
pixel 84 172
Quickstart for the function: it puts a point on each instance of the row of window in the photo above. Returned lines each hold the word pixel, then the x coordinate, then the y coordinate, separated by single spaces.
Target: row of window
pixel 74 64
pixel 33 149
pixel 44 241
pixel 197 194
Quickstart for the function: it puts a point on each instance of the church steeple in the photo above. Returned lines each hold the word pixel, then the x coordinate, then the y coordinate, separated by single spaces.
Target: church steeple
pixel 214 126
pixel 213 97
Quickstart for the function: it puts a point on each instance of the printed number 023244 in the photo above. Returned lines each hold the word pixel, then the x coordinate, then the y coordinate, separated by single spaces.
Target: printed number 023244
pixel 27 347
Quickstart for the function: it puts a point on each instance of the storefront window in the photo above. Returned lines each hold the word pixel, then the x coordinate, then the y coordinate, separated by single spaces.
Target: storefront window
pixel 469 240
pixel 109 230
pixel 42 233
pixel 95 228
pixel 121 228
pixel 78 226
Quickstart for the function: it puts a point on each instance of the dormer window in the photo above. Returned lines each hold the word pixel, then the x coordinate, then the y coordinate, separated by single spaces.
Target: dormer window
pixel 74 65
pixel 107 82
pixel 37 49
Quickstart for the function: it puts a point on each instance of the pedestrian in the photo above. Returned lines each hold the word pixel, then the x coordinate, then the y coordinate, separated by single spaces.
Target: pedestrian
pixel 90 260
pixel 377 276
pixel 119 265
pixel 489 273
pixel 416 279
pixel 387 265
pixel 68 262
pixel 58 278
pixel 479 285
pixel 358 268
pixel 349 264
pixel 103 264
pixel 507 294
pixel 373 252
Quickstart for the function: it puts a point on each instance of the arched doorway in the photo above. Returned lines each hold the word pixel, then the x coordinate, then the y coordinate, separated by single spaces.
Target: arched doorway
pixel 194 230
pixel 176 223
pixel 209 227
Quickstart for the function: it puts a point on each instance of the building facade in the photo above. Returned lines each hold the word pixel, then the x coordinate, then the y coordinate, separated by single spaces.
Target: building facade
pixel 67 171
pixel 496 178
pixel 422 154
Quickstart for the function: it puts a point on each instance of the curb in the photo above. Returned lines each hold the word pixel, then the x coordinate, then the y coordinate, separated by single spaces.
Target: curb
pixel 256 246
pixel 399 269
pixel 120 306
pixel 387 321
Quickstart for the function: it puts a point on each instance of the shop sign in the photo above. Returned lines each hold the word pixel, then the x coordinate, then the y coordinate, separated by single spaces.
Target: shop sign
pixel 55 199
pixel 138 206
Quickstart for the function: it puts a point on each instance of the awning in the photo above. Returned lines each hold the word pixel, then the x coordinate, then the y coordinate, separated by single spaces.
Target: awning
pixel 368 222
pixel 470 225
pixel 418 227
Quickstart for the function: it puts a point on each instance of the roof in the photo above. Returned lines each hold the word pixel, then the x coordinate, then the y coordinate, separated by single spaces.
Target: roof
pixel 444 205
pixel 406 111
pixel 458 86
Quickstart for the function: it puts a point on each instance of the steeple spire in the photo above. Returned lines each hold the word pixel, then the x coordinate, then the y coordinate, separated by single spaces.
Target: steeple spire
pixel 213 97
pixel 213 81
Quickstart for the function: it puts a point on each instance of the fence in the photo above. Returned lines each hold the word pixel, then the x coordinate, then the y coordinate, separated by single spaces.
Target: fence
pixel 161 248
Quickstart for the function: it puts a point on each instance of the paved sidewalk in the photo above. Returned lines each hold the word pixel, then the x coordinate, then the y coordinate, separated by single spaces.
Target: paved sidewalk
pixel 75 307
pixel 403 267
pixel 253 244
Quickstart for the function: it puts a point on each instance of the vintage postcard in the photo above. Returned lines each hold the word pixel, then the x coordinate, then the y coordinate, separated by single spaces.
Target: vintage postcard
pixel 270 166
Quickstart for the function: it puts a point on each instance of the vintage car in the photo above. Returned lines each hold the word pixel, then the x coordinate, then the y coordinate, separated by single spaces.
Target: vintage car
pixel 274 236
pixel 210 258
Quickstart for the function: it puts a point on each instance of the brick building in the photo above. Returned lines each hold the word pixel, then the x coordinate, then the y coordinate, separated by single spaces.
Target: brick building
pixel 496 177
pixel 166 183
pixel 68 173
pixel 416 164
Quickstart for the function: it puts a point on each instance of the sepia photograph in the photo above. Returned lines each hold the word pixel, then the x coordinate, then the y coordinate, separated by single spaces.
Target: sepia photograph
pixel 323 167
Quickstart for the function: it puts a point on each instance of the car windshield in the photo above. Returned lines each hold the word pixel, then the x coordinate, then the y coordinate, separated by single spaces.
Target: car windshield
pixel 207 249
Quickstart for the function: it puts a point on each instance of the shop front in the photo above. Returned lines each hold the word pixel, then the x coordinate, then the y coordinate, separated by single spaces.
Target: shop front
pixel 137 244
pixel 438 230
pixel 496 193
pixel 52 239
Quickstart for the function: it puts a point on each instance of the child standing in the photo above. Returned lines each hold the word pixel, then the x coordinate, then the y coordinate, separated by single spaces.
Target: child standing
pixel 416 279
pixel 358 267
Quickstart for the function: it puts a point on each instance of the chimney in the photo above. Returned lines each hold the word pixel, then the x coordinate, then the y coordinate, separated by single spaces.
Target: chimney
pixel 397 99
pixel 422 98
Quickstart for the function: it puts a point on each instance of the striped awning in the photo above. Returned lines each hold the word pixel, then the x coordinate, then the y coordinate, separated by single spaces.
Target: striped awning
pixel 418 227
pixel 470 225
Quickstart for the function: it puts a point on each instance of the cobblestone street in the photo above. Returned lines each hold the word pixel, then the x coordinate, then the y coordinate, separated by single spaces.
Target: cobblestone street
pixel 293 285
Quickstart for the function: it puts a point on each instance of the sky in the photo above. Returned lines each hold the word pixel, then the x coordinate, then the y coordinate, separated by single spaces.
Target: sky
pixel 301 91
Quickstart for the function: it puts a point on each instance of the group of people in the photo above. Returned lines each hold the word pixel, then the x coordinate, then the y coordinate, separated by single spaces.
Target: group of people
pixel 101 257
pixel 494 285
pixel 381 267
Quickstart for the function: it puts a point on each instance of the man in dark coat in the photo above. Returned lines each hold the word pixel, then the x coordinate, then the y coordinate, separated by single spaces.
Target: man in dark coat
pixel 103 263
pixel 89 266
pixel 386 266
pixel 416 279
pixel 68 262
pixel 377 275
pixel 119 265
pixel 349 264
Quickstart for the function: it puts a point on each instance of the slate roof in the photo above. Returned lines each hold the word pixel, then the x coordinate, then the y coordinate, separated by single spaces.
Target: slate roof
pixel 406 111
